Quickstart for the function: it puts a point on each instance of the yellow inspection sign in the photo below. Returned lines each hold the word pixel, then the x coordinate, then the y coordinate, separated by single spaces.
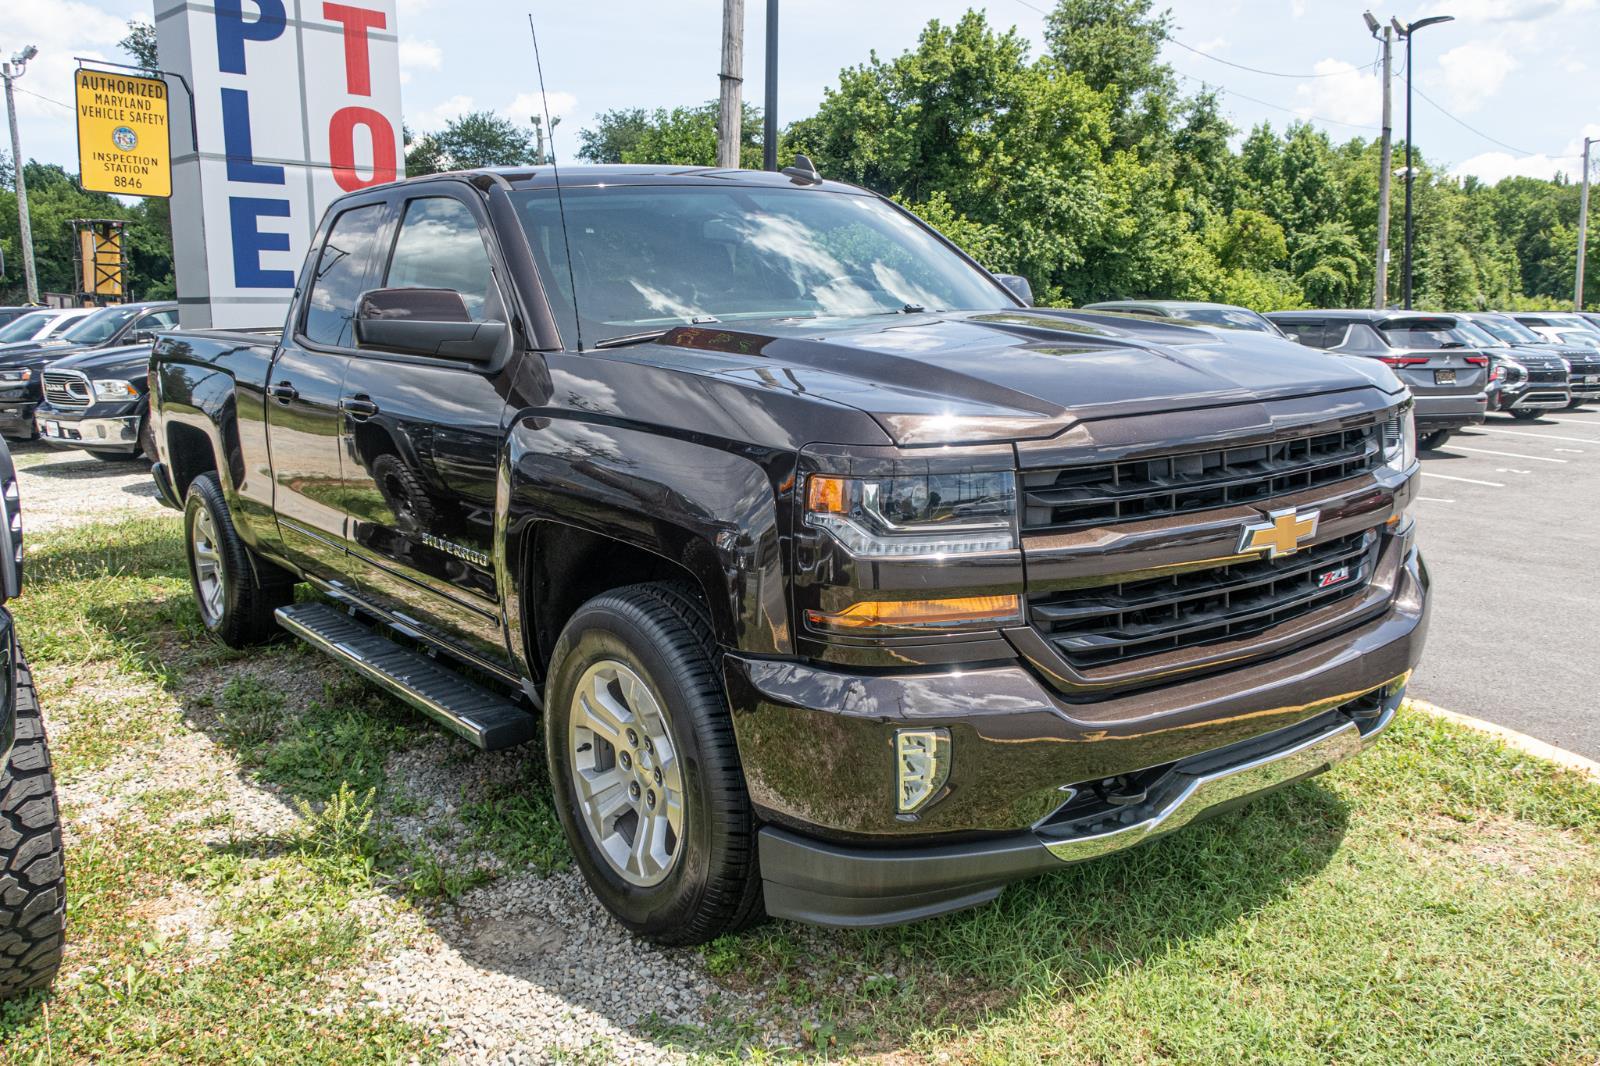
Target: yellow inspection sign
pixel 124 144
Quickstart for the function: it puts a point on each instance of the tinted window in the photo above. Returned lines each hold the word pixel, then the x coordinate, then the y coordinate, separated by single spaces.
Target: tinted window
pixel 439 248
pixel 24 328
pixel 1306 331
pixel 1226 317
pixel 1422 333
pixel 655 257
pixel 1362 338
pixel 156 320
pixel 100 326
pixel 1510 330
pixel 342 272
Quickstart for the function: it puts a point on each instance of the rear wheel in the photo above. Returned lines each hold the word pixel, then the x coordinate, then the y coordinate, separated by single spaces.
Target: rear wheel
pixel 1435 440
pixel 644 766
pixel 235 593
pixel 33 900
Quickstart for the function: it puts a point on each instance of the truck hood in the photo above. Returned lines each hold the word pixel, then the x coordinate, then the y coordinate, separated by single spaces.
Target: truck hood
pixel 34 352
pixel 970 377
pixel 129 362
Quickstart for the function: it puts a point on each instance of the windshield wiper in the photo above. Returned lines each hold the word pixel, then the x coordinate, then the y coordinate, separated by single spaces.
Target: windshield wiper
pixel 634 338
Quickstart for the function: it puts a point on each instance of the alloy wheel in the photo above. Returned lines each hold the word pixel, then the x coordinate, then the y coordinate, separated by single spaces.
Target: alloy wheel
pixel 208 576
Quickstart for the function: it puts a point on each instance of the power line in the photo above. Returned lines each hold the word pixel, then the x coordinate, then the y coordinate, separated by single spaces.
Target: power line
pixel 1268 73
pixel 41 96
pixel 1279 107
pixel 1473 129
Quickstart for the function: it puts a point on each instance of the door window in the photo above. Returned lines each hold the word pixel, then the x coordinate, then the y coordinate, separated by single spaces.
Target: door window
pixel 155 320
pixel 439 248
pixel 342 271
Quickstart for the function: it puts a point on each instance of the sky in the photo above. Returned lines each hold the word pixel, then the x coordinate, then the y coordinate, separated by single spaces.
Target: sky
pixel 1510 87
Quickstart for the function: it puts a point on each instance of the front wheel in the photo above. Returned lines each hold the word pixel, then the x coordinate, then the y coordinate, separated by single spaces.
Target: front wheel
pixel 33 899
pixel 1577 403
pixel 1527 414
pixel 236 599
pixel 1434 441
pixel 644 767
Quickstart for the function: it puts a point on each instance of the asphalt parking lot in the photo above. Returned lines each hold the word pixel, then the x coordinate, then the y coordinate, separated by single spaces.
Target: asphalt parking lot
pixel 1510 528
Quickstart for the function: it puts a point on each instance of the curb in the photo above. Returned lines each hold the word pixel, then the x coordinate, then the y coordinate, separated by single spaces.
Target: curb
pixel 1513 739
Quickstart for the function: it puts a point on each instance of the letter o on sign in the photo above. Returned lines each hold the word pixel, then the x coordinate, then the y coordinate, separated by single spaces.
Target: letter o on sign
pixel 342 147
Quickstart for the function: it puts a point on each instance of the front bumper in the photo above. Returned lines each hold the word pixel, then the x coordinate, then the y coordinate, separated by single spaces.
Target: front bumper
pixel 833 851
pixel 16 418
pixel 1539 396
pixel 1450 412
pixel 1584 389
pixel 829 884
pixel 102 427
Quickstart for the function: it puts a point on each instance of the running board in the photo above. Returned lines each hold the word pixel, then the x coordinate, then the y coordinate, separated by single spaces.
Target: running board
pixel 469 710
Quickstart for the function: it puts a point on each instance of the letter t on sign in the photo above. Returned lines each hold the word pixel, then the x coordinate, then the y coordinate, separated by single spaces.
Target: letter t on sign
pixel 357 65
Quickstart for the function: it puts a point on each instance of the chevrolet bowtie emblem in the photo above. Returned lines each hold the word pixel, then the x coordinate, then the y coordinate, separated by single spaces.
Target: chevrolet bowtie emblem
pixel 1281 534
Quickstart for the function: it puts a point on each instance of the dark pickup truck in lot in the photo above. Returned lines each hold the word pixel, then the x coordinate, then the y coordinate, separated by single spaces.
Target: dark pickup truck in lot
pixel 844 585
pixel 96 401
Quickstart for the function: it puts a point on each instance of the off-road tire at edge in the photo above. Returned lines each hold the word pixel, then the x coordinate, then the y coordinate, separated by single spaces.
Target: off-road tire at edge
pixel 33 898
pixel 249 602
pixel 667 628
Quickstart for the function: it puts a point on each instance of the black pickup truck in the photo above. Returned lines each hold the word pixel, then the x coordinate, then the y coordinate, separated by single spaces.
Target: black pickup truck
pixel 843 584
pixel 33 901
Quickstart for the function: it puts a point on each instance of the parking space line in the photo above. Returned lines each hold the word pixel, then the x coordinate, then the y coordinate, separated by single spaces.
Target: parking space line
pixel 1432 499
pixel 1541 436
pixel 1468 480
pixel 1588 423
pixel 1508 455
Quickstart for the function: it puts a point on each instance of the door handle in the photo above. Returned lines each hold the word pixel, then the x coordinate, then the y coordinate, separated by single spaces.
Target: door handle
pixel 360 408
pixel 284 393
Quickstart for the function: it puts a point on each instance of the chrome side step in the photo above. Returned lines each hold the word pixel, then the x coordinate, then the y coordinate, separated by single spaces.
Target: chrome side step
pixel 469 710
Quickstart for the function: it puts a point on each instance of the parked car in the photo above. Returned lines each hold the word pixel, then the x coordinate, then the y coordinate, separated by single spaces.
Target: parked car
pixel 1583 361
pixel 1223 316
pixel 1447 378
pixel 39 325
pixel 33 902
pixel 844 585
pixel 1524 381
pixel 10 314
pixel 95 400
pixel 21 367
pixel 1561 327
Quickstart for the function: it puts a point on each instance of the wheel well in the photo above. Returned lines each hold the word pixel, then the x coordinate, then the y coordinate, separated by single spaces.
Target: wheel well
pixel 191 454
pixel 566 567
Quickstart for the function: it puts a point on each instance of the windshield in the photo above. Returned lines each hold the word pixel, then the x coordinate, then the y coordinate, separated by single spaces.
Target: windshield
pixel 22 329
pixel 1509 330
pixel 1473 334
pixel 1579 338
pixel 100 326
pixel 1422 333
pixel 1227 318
pixel 653 257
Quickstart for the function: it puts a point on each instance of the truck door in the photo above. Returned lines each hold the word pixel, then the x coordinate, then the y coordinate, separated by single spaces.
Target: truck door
pixel 303 388
pixel 422 444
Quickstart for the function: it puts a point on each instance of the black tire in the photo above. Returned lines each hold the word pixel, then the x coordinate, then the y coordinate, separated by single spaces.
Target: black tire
pixel 662 632
pixel 112 457
pixel 251 589
pixel 147 440
pixel 33 898
pixel 1575 404
pixel 1527 414
pixel 1434 440
pixel 404 492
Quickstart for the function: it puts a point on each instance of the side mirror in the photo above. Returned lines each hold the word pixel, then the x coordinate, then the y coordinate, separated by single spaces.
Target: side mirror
pixel 432 322
pixel 1019 287
pixel 142 336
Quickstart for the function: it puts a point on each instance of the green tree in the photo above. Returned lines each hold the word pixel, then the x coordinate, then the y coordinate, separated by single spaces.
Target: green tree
pixel 476 139
pixel 1115 46
pixel 140 43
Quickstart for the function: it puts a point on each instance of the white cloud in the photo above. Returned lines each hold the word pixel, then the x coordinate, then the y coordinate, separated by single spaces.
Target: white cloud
pixel 526 105
pixel 1472 73
pixel 61 29
pixel 1490 167
pixel 1347 94
pixel 1511 10
pixel 434 118
pixel 418 55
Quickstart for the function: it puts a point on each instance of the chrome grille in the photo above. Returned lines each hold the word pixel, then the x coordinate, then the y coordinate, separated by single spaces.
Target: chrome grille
pixel 67 388
pixel 1077 496
pixel 1108 624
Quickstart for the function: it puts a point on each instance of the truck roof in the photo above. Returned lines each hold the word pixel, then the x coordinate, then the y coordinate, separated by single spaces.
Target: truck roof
pixel 590 175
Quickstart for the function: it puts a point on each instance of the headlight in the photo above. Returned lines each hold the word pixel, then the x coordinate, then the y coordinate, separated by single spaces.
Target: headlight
pixel 1400 440
pixel 919 515
pixel 1511 372
pixel 14 377
pixel 114 390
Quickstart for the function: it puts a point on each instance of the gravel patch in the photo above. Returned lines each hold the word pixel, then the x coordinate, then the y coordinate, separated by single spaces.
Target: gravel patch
pixel 66 487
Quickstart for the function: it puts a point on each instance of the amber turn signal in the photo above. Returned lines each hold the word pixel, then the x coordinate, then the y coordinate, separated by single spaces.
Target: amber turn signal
pixel 825 495
pixel 922 614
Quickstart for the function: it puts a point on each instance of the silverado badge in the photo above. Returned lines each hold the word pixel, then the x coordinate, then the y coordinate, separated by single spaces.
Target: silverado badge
pixel 1281 533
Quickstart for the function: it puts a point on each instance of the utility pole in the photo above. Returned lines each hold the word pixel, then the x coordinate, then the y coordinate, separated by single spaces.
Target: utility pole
pixel 730 113
pixel 11 72
pixel 1583 227
pixel 1380 285
pixel 769 135
pixel 1408 32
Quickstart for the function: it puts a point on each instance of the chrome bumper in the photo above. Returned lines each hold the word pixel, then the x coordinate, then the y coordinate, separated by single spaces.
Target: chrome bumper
pixel 91 432
pixel 1203 792
pixel 1541 397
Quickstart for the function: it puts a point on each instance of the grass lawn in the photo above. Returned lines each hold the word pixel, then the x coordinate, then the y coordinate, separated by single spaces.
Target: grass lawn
pixel 239 860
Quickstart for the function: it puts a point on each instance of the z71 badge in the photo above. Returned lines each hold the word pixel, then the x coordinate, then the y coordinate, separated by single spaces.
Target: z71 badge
pixel 1334 577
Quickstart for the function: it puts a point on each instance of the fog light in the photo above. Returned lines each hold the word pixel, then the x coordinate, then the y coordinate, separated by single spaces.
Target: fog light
pixel 922 764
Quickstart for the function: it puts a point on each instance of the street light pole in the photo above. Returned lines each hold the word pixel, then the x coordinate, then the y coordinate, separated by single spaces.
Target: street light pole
pixel 1583 227
pixel 1380 279
pixel 1409 31
pixel 769 136
pixel 11 72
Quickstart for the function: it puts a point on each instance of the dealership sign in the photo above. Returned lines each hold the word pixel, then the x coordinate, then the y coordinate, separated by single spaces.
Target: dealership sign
pixel 295 102
pixel 123 138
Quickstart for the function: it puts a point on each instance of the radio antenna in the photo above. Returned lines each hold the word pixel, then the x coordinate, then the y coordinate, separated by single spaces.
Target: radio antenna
pixel 555 169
